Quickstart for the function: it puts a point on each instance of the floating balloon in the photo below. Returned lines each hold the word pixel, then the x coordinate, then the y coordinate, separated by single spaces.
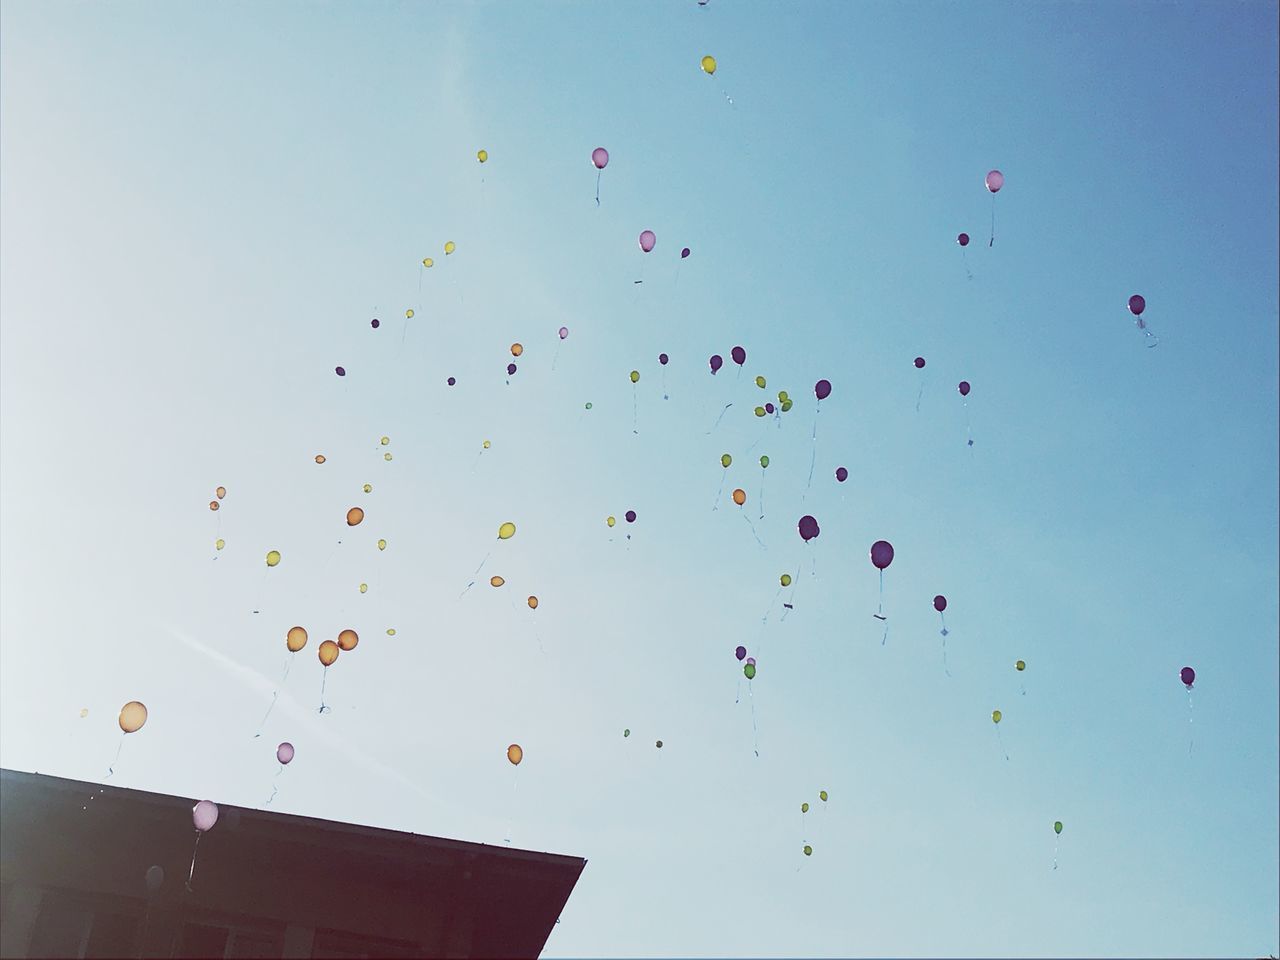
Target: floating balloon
pixel 204 815
pixel 939 603
pixel 1137 303
pixel 684 253
pixel 635 376
pixel 517 349
pixel 428 262
pixel 764 462
pixel 626 732
pixel 375 323
pixel 647 240
pixel 221 492
pixel 368 488
pixel 328 652
pixel 507 531
pixel 610 521
pixel 284 753
pixel 842 474
pixel 1020 665
pixel 995 716
pixel 751 661
pixel 319 458
pixel 963 239
pixel 84 712
pixel 482 155
pixel 808 850
pixel 1188 677
pixel 658 744
pixel 132 716
pixel 749 671
pixel 808 527
pixel 515 753
pixel 564 333
pixel 496 581
pixel 717 362
pixel 340 371
pixel 768 408
pixel 964 388
pixel 511 369
pixel 219 543
pixel 760 382
pixel 408 314
pixel 919 362
pixel 994 181
pixel 760 411
pixel 295 639
pixel 600 157
pixel 739 355
pixel 739 496
pixel 663 359
pixel 391 631
pixel 451 381
pixel 785 580
pixel 273 558
pixel 449 247
pixel 881 554
pixel 1057 826
pixel 740 652
pixel 804 807
pixel 213 505
pixel 354 516
pixel 822 389
pixel 364 588
pixel 348 639
pixel 533 603
pixel 630 516
pixel 709 64
pixel 725 461
pixel 382 544
pixel 822 795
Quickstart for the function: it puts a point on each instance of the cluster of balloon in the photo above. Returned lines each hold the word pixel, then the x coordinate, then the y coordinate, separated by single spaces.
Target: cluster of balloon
pixel 807 848
pixel 919 363
pixel 284 756
pixel 1137 304
pixel 940 604
pixel 516 350
pixel 203 815
pixel 1188 677
pixel 133 715
pixel 996 717
pixel 881 557
pixel 994 181
pixel 599 160
pixel 821 390
pixel 964 388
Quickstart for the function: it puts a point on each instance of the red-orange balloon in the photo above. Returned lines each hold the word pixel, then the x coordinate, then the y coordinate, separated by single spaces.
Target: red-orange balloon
pixel 213 504
pixel 515 754
pixel 348 639
pixel 739 496
pixel 296 639
pixel 517 349
pixel 354 516
pixel 319 458
pixel 328 652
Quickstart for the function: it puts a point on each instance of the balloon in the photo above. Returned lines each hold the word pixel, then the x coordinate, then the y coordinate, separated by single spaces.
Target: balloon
pixel 995 716
pixel 391 631
pixel 213 505
pixel 717 362
pixel 375 323
pixel 739 355
pixel 760 411
pixel 328 652
pixel 725 460
pixel 449 247
pixel 939 603
pixel 785 579
pixel 588 405
pixel 739 496
pixel 764 462
pixel 1188 676
pixel 132 716
pixel 408 314
pixel 963 388
pixel 663 358
pixel 684 253
pixel 154 877
pixel 786 405
pixel 647 240
pixel 221 492
pixel 564 333
pixel 631 516
pixel 658 744
pixel 515 753
pixel 295 639
pixel 496 581
pixel 842 474
pixel 428 262
pixel 451 381
pixel 610 521
pixel 84 712
pixel 808 528
pixel 204 815
pixel 354 516
pixel 635 376
pixel 963 239
pixel 482 155
pixel 386 456
pixel 517 349
pixel 368 488
pixel 511 369
pixel 364 588
pixel 804 807
pixel 822 795
pixel 219 543
pixel 284 753
pixel 1057 826
pixel 273 558
pixel 533 603
pixel 1137 303
pixel 783 396
pixel 822 389
pixel 348 639
pixel 382 544
pixel 626 732
pixel 882 554
pixel 751 661
pixel 1020 665
pixel 507 531
pixel 768 408
pixel 340 371
pixel 319 458
pixel 760 382
pixel 708 64
pixel 808 850
pixel 919 362
pixel 486 445
pixel 994 181
pixel 740 652
pixel 600 157
pixel 749 671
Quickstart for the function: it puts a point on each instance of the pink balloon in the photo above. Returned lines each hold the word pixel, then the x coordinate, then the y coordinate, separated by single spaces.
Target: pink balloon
pixel 284 752
pixel 564 333
pixel 995 180
pixel 204 815
pixel 647 240
pixel 1137 303
pixel 600 157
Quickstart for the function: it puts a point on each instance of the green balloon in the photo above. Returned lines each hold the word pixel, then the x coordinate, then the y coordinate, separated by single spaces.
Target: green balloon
pixel 760 411
pixel 785 579
pixel 808 850
pixel 822 795
pixel 726 460
pixel 804 807
pixel 626 732
pixel 786 405
pixel 750 671
pixel 782 396
pixel 588 404
pixel 659 744
pixel 1057 826
pixel 764 462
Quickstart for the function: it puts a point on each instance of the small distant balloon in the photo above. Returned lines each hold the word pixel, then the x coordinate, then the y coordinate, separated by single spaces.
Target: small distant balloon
pixel 368 488
pixel 725 461
pixel 221 492
pixel 348 639
pixel 919 362
pixel 610 521
pixel 751 661
pixel 995 716
pixel 739 496
pixel 717 362
pixel 408 314
pixel 1137 303
pixel 496 581
pixel 340 371
pixel 749 671
pixel 808 850
pixel 764 462
pixel 684 253
pixel 963 388
pixel 740 652
pixel 630 516
pixel 808 527
pixel 1188 676
pixel 963 239
pixel 647 240
pixel 994 181
pixel 428 262
pixel 273 558
pixel 84 712
pixel 739 355
pixel 375 323
pixel 663 359
pixel 515 753
pixel 564 333
pixel 517 349
pixel 635 376
pixel 213 505
pixel 449 247
pixel 761 382
pixel 626 732
pixel 364 588
pixel 1020 665
pixel 354 516
pixel 451 381
pixel 132 716
pixel 320 458
pixel 507 531
pixel 708 64
pixel 533 603
pixel 284 753
pixel 822 795
pixel 328 652
pixel 881 554
pixel 204 815
pixel 768 408
pixel 822 389
pixel 785 580
pixel 482 155
pixel 939 603
pixel 658 744
pixel 842 474
pixel 804 807
pixel 382 544
pixel 295 639
pixel 600 157
pixel 511 369
pixel 1057 826
pixel 219 543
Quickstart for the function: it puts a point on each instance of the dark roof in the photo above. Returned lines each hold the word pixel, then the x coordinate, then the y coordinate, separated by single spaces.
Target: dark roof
pixel 101 839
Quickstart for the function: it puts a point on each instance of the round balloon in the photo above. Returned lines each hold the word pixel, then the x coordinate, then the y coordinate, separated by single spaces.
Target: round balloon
pixel 515 753
pixel 630 516
pixel 354 516
pixel 684 253
pixel 1020 665
pixel 273 558
pixel 284 753
pixel 295 639
pixel 716 362
pixel 213 505
pixel 348 639
pixel 963 239
pixel 808 527
pixel 517 349
pixel 739 496
pixel 725 460
pixel 808 850
pixel 428 262
pixel 221 492
pixel 919 362
pixel 658 744
pixel 511 369
pixel 963 388
pixel 994 181
pixel 647 240
pixel 882 554
pixel 496 581
pixel 533 603
pixel 1137 303
pixel 610 521
pixel 132 716
pixel 340 371
pixel 785 580
pixel 219 543
pixel 739 355
pixel 382 544
pixel 319 458
pixel 482 155
pixel 451 381
pixel 804 807
pixel 740 652
pixel 764 462
pixel 635 376
pixel 564 333
pixel 328 652
pixel 449 247
pixel 600 157
pixel 708 64
pixel 749 670
pixel 939 603
pixel 408 314
pixel 1188 676
pixel 507 531
pixel 995 716
pixel 822 389
pixel 842 474
pixel 822 795
pixel 204 815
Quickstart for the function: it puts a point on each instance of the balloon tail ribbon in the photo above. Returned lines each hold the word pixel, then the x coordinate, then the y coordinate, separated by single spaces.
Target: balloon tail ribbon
pixel 755 731
pixel 1055 853
pixel 716 506
pixel 765 618
pixel 1022 688
pixel 1000 739
pixel 274 696
pixel 1190 729
pixel 598 173
pixel 993 221
pixel 112 769
pixel 761 517
pixel 753 530
pixel 813 457
pixel 192 871
pixel 964 257
pixel 945 668
pixel 719 418
pixel 324 677
pixel 275 789
pixel 635 408
pixel 737 692
pixel 920 395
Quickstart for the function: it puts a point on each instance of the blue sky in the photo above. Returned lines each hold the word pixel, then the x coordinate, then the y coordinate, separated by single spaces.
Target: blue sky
pixel 204 206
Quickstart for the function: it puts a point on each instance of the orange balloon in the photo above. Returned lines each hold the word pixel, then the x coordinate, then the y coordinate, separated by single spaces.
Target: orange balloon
pixel 348 639
pixel 296 639
pixel 213 504
pixel 739 496
pixel 328 652
pixel 132 716
pixel 319 458
pixel 515 754
pixel 354 516
pixel 496 581
pixel 533 603
pixel 221 492
pixel 517 349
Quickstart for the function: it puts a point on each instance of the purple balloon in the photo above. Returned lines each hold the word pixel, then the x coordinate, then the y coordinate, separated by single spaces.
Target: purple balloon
pixel 684 253
pixel 375 323
pixel 284 753
pixel 663 358
pixel 1137 303
pixel 768 408
pixel 204 815
pixel 564 333
pixel 739 355
pixel 882 554
pixel 1188 676
pixel 822 389
pixel 919 362
pixel 451 381
pixel 842 474
pixel 963 239
pixel 647 240
pixel 808 528
pixel 751 661
pixel 717 362
pixel 740 653
pixel 994 181
pixel 939 603
pixel 340 371
pixel 631 516
pixel 511 368
pixel 600 157
pixel 963 388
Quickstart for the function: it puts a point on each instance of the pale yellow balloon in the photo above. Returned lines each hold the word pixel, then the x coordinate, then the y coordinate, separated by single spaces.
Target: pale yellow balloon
pixel 449 247
pixel 387 456
pixel 533 603
pixel 482 155
pixel 368 488
pixel 486 444
pixel 364 588
pixel 507 531
pixel 995 716
pixel 221 492
pixel 391 631
pixel 384 441
pixel 328 652
pixel 295 639
pixel 427 262
pixel 132 716
pixel 408 314
pixel 709 64
pixel 635 376
pixel 273 558
pixel 382 544
pixel 610 521
pixel 219 543
pixel 84 713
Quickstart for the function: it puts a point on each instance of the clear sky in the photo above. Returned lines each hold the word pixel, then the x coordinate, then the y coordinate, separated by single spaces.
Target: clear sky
pixel 203 207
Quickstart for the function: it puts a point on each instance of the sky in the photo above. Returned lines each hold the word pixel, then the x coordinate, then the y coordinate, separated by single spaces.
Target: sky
pixel 203 206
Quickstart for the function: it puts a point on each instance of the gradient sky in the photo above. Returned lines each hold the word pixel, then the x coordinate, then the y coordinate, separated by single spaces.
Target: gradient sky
pixel 203 206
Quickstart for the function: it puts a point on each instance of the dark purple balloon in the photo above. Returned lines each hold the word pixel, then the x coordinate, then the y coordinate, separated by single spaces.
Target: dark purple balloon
pixel 663 358
pixel 340 371
pixel 768 408
pixel 684 253
pixel 739 355
pixel 1137 304
pixel 631 516
pixel 451 381
pixel 511 368
pixel 808 528
pixel 939 603
pixel 882 554
pixel 842 474
pixel 375 323
pixel 1188 676
pixel 919 362
pixel 963 388
pixel 963 239
pixel 717 362
pixel 822 389
pixel 740 653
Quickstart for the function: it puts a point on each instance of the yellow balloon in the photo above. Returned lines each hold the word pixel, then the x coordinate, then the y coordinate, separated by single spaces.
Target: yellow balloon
pixel 295 639
pixel 496 581
pixel 995 716
pixel 709 64
pixel 221 492
pixel 384 441
pixel 348 639
pixel 515 753
pixel 610 521
pixel 391 631
pixel 507 531
pixel 785 579
pixel 132 716
pixel 273 558
pixel 84 713
pixel 635 376
pixel 760 382
pixel 387 456
pixel 328 652
pixel 486 444
pixel 408 314
pixel 482 155
pixel 382 544
pixel 368 488
pixel 364 588
pixel 219 543
pixel 1020 665
pixel 427 262
pixel 449 247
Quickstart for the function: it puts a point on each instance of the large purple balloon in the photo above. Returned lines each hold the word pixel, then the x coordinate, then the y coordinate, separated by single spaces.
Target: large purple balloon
pixel 1188 676
pixel 600 157
pixel 739 355
pixel 204 815
pixel 284 752
pixel 842 474
pixel 717 362
pixel 1137 303
pixel 963 388
pixel 919 362
pixel 684 253
pixel 663 358
pixel 822 389
pixel 808 528
pixel 882 554
pixel 740 653
pixel 939 603
pixel 340 371
pixel 963 239
pixel 647 240
pixel 995 180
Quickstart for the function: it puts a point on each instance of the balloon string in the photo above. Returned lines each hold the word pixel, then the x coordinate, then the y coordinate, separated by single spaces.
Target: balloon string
pixel 1055 853
pixel 275 789
pixel 945 668
pixel 755 731
pixel 968 421
pixel 813 457
pixel 1000 739
pixel 112 769
pixel 635 408
pixel 737 692
pixel 920 395
pixel 719 418
pixel 765 618
pixel 716 506
pixel 324 677
pixel 275 695
pixel 761 517
pixel 476 573
pixel 964 258
pixel 194 851
pixel 598 173
pixel 1190 729
pixel 993 221
pixel 753 530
